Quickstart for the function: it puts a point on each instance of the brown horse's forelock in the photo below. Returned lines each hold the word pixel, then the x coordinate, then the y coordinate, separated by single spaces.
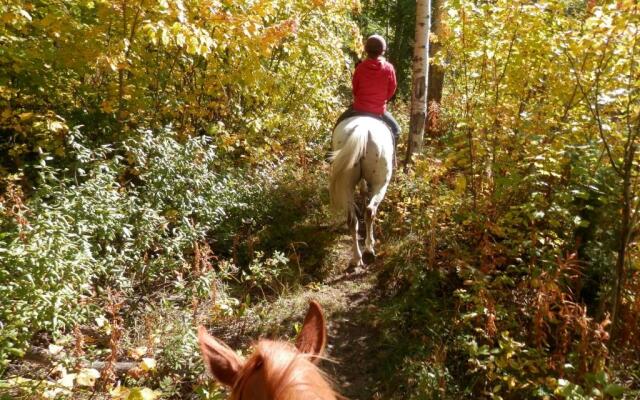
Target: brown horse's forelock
pixel 289 375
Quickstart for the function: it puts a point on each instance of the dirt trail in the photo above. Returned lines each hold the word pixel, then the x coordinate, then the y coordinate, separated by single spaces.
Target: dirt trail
pixel 347 302
pixel 351 338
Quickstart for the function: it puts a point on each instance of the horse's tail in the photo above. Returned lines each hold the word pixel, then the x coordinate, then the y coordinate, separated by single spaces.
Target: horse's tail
pixel 345 168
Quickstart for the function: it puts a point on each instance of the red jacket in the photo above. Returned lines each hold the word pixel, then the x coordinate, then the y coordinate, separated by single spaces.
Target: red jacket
pixel 374 82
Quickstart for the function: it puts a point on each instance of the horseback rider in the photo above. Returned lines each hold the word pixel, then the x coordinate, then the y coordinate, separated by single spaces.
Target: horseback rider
pixel 374 83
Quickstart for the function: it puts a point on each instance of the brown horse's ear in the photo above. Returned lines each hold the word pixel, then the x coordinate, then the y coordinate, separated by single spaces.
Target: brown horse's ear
pixel 313 336
pixel 220 360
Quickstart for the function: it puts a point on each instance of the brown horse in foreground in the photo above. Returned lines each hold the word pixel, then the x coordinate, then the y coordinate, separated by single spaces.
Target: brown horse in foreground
pixel 276 370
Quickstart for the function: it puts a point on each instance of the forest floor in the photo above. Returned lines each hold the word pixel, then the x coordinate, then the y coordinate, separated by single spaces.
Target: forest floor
pixel 355 358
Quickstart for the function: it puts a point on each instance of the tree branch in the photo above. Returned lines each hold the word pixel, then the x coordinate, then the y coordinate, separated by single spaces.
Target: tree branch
pixel 594 112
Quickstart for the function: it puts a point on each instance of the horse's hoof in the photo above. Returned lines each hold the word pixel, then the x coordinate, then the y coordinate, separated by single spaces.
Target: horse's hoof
pixel 353 266
pixel 368 257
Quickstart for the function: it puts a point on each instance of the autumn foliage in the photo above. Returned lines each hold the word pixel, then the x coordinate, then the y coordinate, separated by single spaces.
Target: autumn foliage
pixel 259 73
pixel 162 166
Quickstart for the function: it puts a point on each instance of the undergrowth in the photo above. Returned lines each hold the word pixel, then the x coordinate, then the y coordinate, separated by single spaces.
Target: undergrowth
pixel 119 258
pixel 466 314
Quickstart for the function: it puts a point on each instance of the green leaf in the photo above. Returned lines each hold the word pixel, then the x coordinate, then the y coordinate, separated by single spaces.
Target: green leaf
pixel 614 390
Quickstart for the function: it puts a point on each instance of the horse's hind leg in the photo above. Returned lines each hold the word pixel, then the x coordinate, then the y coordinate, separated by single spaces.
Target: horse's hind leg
pixel 362 197
pixel 369 255
pixel 352 222
pixel 377 194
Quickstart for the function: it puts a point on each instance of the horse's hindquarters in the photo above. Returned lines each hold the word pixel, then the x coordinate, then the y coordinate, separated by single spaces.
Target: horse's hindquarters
pixel 363 149
pixel 377 163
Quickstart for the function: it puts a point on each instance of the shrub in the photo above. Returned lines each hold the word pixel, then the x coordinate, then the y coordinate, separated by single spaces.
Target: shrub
pixel 131 224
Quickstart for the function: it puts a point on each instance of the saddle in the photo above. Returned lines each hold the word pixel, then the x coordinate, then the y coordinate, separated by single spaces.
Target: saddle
pixel 353 113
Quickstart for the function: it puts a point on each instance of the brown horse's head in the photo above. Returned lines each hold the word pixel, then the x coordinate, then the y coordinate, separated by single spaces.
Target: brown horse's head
pixel 275 370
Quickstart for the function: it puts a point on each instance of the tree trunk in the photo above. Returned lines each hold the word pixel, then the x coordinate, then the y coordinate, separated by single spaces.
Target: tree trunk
pixel 420 70
pixel 436 72
pixel 121 82
pixel 625 230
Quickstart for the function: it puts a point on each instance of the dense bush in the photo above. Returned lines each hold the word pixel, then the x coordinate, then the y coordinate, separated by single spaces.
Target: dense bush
pixel 516 219
pixel 129 225
pixel 259 76
pixel 99 194
pixel 467 313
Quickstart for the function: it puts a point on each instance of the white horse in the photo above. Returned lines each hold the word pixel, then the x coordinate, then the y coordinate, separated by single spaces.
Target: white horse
pixel 362 152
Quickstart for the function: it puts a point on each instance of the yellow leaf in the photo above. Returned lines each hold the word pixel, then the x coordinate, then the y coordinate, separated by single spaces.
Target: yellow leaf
pixel 192 45
pixel 180 39
pixel 8 17
pixel 106 107
pixel 461 184
pixel 54 349
pixel 67 380
pixel 138 352
pixel 57 126
pixel 148 364
pixel 119 392
pixel 123 393
pixel 52 393
pixel 24 116
pixel 25 14
pixel 164 36
pixel 176 27
pixel 87 377
pixel 146 394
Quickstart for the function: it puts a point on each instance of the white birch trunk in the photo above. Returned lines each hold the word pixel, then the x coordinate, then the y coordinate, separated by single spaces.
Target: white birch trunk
pixel 420 71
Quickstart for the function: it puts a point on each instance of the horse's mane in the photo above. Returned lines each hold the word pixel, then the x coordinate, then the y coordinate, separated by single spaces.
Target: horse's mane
pixel 288 374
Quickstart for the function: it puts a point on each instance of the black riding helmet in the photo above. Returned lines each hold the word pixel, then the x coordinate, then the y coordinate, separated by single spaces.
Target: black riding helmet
pixel 375 46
